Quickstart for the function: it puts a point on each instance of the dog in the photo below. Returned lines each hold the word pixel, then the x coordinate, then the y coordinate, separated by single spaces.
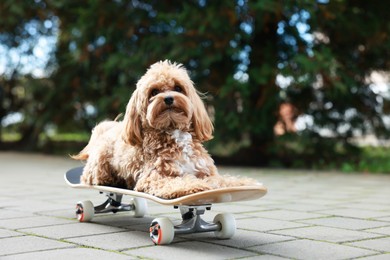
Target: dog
pixel 157 147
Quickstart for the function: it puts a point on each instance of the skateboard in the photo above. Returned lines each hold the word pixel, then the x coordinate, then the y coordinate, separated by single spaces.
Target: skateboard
pixel 162 230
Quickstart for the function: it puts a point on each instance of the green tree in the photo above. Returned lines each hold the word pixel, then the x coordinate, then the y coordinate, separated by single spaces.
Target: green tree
pixel 22 25
pixel 236 51
pixel 330 74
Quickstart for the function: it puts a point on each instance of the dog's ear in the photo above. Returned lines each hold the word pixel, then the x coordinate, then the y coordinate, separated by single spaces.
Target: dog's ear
pixel 201 121
pixel 132 132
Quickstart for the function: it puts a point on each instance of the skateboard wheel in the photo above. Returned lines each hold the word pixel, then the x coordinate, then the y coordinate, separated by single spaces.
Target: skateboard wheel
pixel 140 207
pixel 162 231
pixel 84 211
pixel 228 225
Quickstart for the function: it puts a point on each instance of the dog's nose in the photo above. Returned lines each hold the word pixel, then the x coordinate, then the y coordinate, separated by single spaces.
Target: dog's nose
pixel 168 100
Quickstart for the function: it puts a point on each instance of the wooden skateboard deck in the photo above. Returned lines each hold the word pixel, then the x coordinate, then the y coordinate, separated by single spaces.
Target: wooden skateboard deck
pixel 222 195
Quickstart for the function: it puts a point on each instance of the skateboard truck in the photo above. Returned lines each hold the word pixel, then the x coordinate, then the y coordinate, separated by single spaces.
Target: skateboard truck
pixel 192 221
pixel 113 204
pixel 85 210
pixel 162 231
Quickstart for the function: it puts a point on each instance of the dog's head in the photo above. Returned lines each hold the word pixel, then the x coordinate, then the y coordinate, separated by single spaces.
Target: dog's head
pixel 166 99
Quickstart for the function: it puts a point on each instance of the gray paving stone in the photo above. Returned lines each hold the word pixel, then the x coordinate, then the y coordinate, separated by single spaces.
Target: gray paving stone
pixel 348 223
pixel 8 233
pixel 304 207
pixel 122 219
pixel 17 245
pixel 262 224
pixel 380 197
pixel 192 250
pixel 264 204
pixel 329 203
pixel 30 204
pixel 72 230
pixel 12 214
pixel 307 249
pixel 6 202
pixel 286 215
pixel 241 239
pixel 368 206
pixel 376 257
pixel 156 209
pixel 265 257
pixel 381 230
pixel 115 241
pixel 260 203
pixel 326 234
pixel 335 195
pixel 62 213
pixel 379 244
pixel 69 253
pixel 355 213
pixel 35 221
pixel 387 219
pixel 141 226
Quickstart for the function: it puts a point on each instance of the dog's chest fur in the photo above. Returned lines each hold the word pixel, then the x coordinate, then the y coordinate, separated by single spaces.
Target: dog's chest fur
pixel 175 153
pixel 187 162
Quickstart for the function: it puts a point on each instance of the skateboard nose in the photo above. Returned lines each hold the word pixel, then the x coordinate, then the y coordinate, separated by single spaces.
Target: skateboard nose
pixel 168 100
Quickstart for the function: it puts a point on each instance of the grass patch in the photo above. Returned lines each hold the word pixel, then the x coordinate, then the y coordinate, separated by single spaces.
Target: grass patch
pixel 73 137
pixel 313 152
pixel 371 159
pixel 10 137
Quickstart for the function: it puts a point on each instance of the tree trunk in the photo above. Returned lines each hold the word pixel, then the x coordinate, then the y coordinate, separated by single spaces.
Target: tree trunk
pixel 262 102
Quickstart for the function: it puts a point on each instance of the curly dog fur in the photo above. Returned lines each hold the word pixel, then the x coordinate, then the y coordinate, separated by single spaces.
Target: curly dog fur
pixel 157 148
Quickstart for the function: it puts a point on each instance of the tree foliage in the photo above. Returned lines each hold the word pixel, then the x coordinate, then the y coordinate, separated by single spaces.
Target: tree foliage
pixel 249 56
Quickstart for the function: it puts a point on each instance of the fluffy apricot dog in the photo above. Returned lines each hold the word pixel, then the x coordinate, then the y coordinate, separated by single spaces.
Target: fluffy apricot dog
pixel 157 148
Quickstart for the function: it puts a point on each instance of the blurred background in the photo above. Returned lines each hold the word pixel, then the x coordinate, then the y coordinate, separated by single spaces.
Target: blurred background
pixel 299 84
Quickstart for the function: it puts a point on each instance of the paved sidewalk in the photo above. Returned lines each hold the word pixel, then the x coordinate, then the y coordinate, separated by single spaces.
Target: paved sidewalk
pixel 305 215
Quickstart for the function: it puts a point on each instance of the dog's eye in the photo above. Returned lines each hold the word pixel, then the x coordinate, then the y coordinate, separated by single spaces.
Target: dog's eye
pixel 177 88
pixel 154 92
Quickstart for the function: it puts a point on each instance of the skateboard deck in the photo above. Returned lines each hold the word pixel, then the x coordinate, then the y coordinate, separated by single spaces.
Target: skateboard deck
pixel 222 195
pixel 162 230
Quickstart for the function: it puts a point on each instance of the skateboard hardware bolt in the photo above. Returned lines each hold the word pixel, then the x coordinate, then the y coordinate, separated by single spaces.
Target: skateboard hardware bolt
pixel 187 215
